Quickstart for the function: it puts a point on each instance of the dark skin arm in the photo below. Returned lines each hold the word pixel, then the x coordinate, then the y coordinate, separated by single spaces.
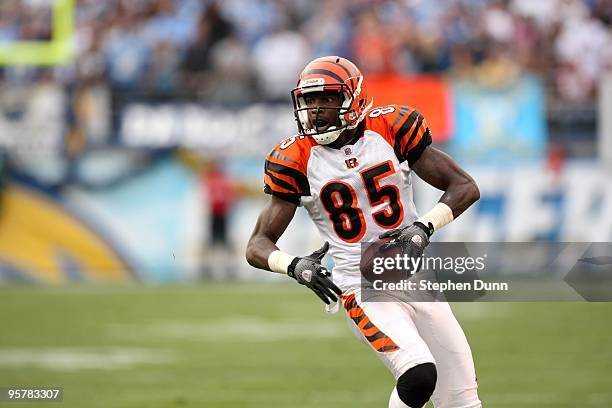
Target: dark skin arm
pixel 441 171
pixel 272 222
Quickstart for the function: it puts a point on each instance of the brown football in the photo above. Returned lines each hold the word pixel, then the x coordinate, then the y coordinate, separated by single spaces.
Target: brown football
pixel 374 264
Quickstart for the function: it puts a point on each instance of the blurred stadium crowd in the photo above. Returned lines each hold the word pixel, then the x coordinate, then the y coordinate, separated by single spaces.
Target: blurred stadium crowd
pixel 238 51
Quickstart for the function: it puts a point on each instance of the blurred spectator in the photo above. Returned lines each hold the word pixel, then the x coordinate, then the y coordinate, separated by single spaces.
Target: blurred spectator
pixel 9 21
pixel 572 85
pixel 162 78
pixel 234 81
pixel 212 28
pixel 602 10
pixel 253 18
pixel 127 53
pixel 498 23
pixel 166 25
pixel 35 21
pixel 278 59
pixel 220 190
pixel 583 47
pixel 329 29
pixel 372 46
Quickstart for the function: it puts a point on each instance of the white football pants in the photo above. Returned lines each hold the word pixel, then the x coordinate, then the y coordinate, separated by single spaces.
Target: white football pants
pixel 404 335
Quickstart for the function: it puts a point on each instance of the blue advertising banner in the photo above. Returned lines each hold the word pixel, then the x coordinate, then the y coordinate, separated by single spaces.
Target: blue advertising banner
pixel 499 125
pixel 154 217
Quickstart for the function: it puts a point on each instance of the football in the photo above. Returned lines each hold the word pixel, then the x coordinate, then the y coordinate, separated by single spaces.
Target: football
pixel 378 261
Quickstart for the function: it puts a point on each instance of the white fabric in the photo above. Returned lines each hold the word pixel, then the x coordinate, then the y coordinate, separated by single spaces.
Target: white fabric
pixel 325 165
pixel 425 332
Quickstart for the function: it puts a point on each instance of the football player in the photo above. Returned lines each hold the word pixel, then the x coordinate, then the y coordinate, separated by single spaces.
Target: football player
pixel 350 166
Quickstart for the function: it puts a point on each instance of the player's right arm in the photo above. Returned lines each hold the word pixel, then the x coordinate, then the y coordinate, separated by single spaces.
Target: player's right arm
pixel 271 224
pixel 286 181
pixel 263 253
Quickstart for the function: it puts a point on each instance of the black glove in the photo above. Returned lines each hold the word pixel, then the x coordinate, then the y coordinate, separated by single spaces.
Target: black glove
pixel 309 272
pixel 412 239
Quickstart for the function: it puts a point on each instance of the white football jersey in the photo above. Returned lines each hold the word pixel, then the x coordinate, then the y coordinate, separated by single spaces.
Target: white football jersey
pixel 357 192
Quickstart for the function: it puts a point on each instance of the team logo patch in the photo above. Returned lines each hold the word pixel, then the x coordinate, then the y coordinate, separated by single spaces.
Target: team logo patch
pixel 351 163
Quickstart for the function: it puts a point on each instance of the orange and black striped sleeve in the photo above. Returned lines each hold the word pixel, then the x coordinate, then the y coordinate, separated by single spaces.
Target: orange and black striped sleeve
pixel 285 175
pixel 409 132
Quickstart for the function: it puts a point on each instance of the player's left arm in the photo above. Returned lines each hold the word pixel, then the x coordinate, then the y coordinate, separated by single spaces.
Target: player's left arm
pixel 409 134
pixel 439 170
pixel 460 191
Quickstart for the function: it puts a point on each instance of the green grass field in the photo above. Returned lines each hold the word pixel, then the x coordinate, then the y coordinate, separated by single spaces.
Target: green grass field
pixel 242 345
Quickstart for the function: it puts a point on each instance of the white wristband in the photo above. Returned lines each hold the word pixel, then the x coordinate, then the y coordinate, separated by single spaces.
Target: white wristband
pixel 438 216
pixel 279 261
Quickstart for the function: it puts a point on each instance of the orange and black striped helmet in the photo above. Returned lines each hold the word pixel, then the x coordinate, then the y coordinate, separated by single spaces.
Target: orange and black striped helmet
pixel 331 74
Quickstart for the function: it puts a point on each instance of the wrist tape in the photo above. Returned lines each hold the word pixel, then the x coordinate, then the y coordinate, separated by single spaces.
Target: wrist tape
pixel 437 217
pixel 279 261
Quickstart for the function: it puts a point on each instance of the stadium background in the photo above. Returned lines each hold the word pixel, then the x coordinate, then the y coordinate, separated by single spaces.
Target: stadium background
pixel 132 138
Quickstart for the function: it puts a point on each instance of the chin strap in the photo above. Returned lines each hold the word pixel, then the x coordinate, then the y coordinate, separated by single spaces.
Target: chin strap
pixel 328 137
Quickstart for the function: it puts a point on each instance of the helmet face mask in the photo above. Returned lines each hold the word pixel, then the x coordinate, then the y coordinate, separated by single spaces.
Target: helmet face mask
pixel 324 75
pixel 309 116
